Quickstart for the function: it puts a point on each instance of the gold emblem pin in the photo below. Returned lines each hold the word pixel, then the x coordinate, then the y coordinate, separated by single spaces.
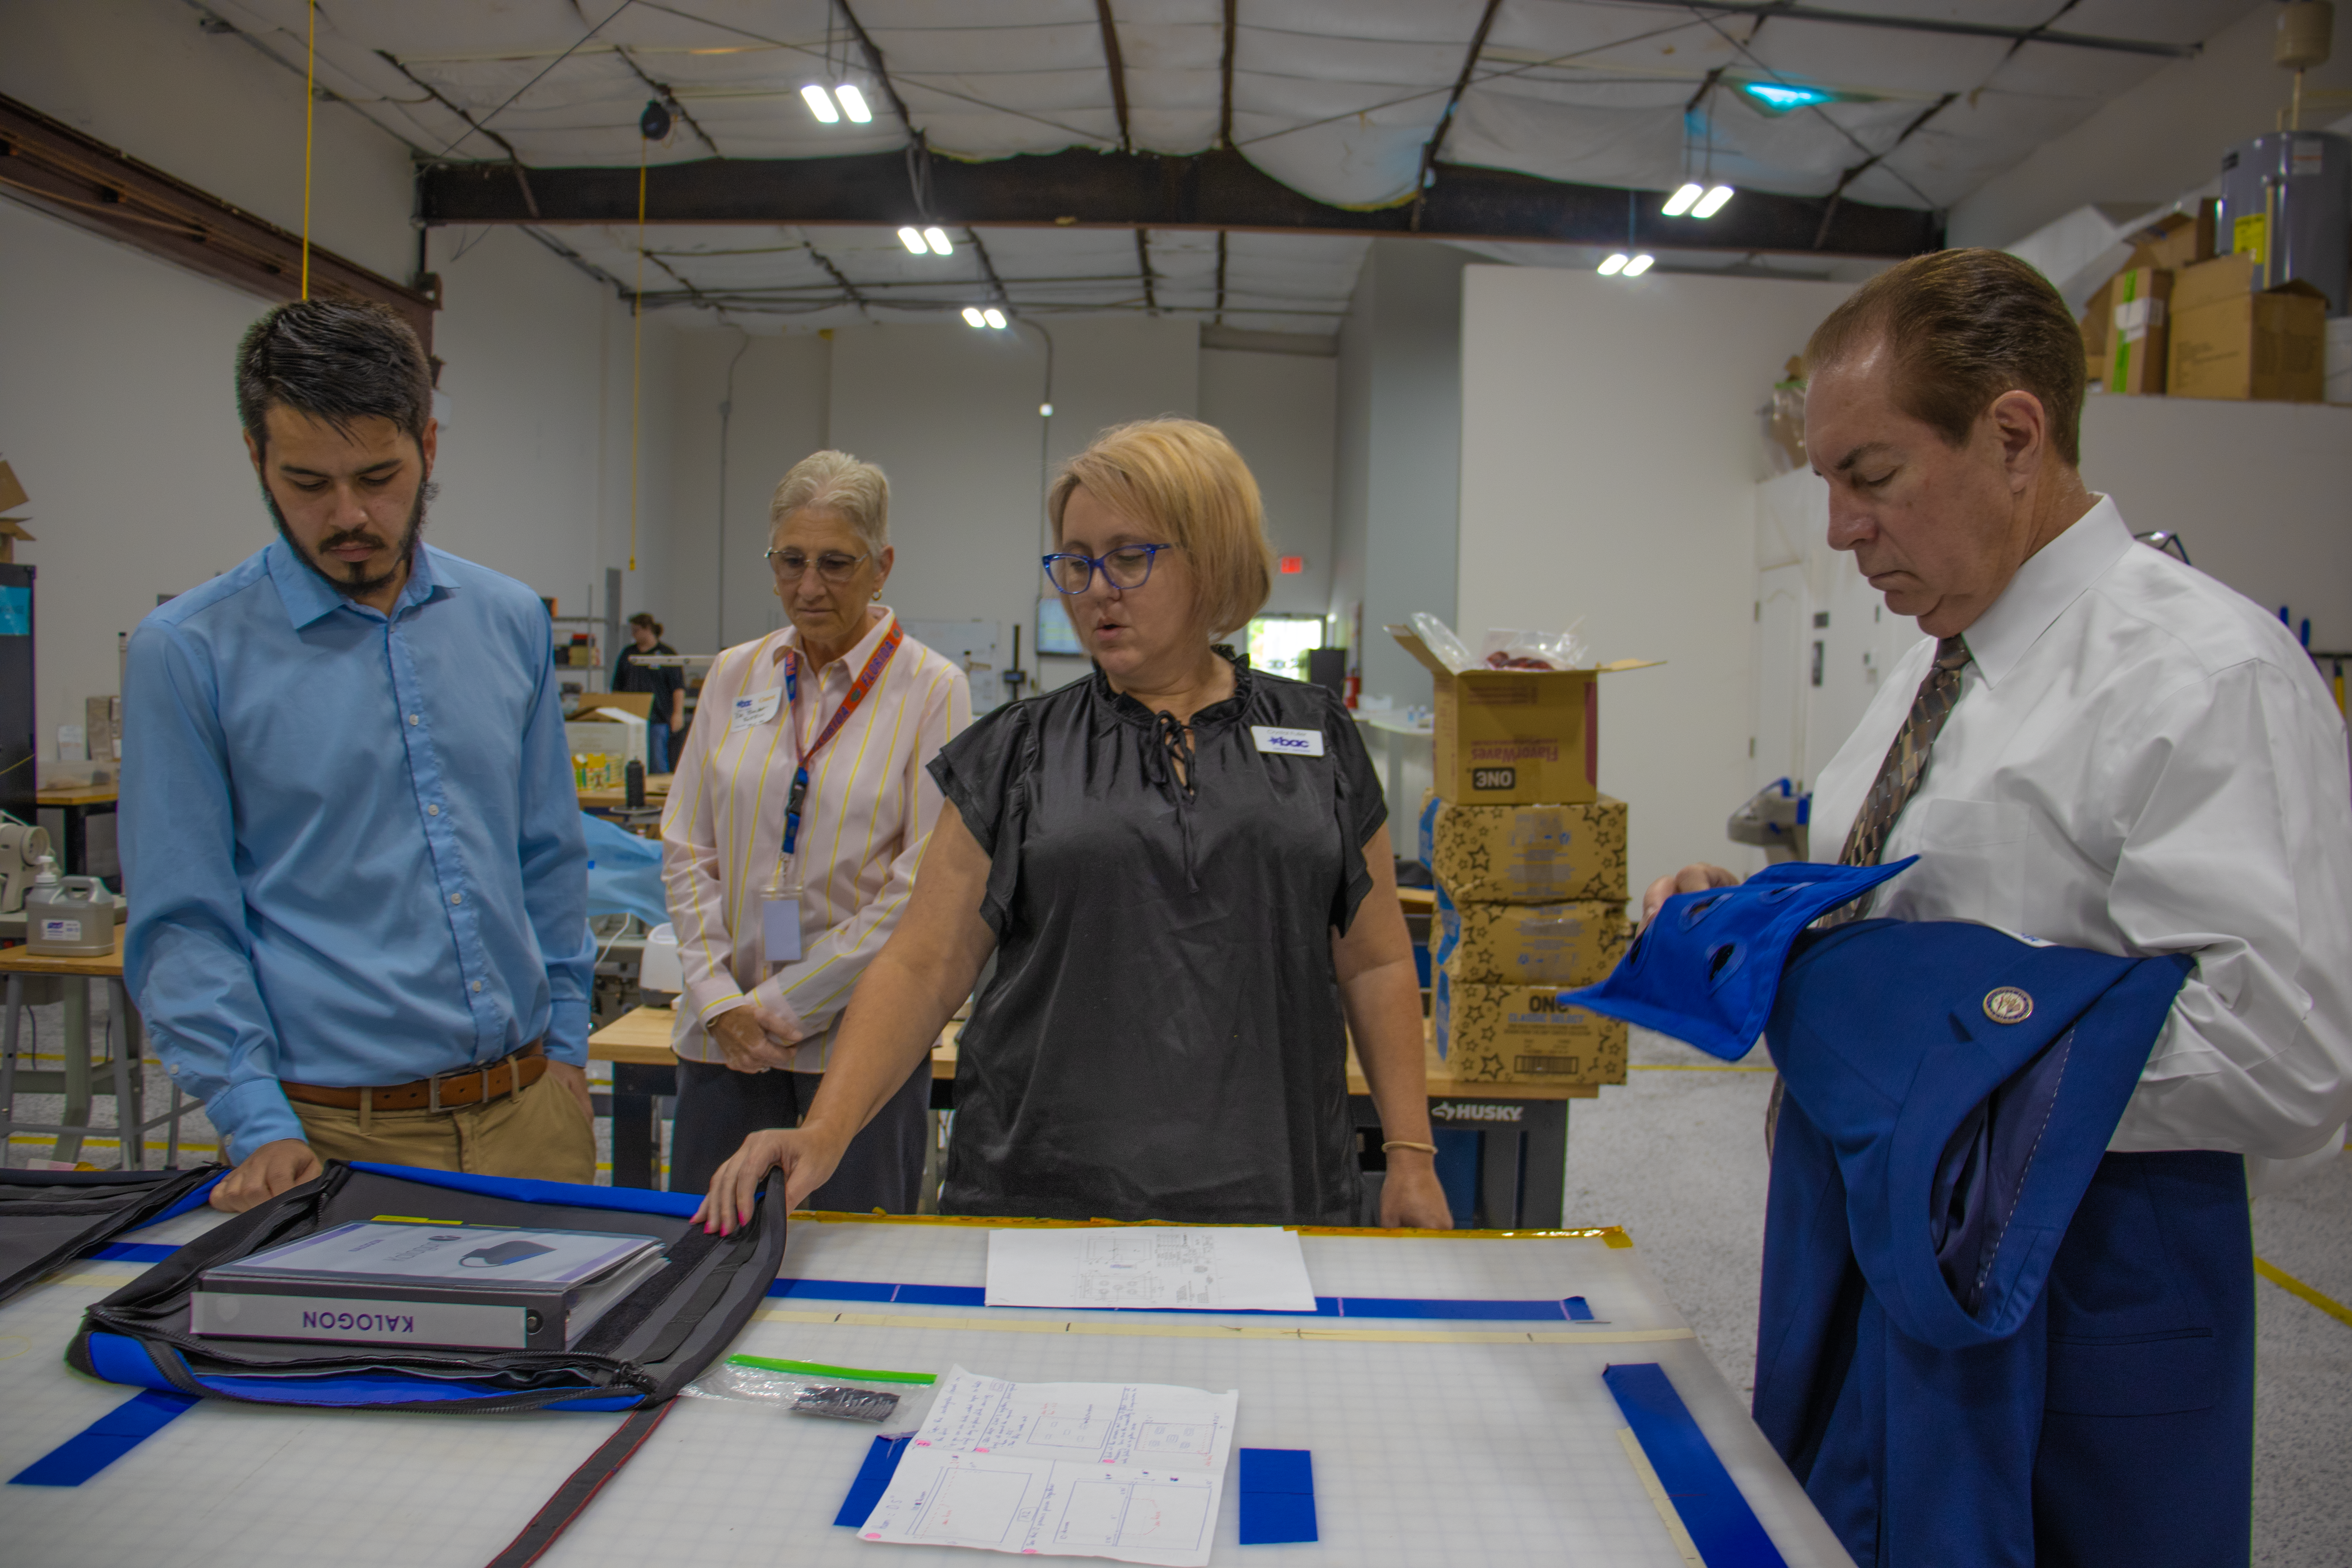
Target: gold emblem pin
pixel 2008 1006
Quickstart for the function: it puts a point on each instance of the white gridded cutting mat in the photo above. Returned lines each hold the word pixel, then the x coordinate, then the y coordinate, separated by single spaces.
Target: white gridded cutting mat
pixel 1437 1441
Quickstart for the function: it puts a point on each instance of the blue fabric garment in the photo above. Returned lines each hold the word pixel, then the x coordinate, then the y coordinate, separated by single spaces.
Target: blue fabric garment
pixel 354 840
pixel 1705 969
pixel 1984 1340
pixel 625 872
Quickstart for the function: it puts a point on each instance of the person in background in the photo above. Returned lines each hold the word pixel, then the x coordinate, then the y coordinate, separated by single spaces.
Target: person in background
pixel 798 815
pixel 666 715
pixel 1182 867
pixel 361 929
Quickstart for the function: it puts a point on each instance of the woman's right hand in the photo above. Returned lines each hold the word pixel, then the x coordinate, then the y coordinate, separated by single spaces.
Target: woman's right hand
pixel 754 1039
pixel 807 1159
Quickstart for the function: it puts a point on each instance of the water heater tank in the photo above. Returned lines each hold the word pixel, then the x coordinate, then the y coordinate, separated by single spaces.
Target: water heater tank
pixel 2287 198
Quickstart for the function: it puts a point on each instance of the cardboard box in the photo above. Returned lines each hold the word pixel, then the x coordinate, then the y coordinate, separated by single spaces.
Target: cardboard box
pixel 618 736
pixel 1529 944
pixel 1526 854
pixel 102 723
pixel 2175 240
pixel 2099 320
pixel 1523 1033
pixel 1512 736
pixel 2137 334
pixel 2232 338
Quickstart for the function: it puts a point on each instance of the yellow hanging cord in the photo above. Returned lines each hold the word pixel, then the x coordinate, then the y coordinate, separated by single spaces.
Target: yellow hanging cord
pixel 310 106
pixel 637 348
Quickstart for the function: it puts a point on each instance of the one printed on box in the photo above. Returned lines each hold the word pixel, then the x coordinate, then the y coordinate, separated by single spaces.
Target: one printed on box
pixel 1524 1034
pixel 1512 736
pixel 1529 944
pixel 1526 854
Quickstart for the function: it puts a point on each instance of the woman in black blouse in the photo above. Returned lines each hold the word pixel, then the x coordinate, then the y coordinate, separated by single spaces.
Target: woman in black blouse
pixel 1184 868
pixel 666 683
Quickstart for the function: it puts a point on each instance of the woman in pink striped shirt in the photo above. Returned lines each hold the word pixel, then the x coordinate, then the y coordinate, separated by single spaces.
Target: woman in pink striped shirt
pixel 795 822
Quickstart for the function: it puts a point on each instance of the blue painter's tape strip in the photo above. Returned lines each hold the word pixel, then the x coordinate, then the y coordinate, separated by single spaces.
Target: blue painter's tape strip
pixel 632 1200
pixel 104 1441
pixel 1572 1308
pixel 873 1479
pixel 1721 1525
pixel 1276 1488
pixel 189 1202
pixel 133 1252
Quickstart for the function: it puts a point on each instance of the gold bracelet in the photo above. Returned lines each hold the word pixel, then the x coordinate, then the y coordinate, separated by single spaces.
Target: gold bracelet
pixel 1405 1143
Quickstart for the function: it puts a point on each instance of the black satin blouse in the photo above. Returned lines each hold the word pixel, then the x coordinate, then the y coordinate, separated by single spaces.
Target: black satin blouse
pixel 1162 1037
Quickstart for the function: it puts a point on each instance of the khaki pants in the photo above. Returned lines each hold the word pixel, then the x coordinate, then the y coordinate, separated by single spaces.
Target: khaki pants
pixel 540 1134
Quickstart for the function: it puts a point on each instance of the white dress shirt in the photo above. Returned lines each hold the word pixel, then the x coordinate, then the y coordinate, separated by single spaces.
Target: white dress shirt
pixel 871 807
pixel 2142 761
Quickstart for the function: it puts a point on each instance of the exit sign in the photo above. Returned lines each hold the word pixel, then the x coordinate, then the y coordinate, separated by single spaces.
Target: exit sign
pixel 1292 565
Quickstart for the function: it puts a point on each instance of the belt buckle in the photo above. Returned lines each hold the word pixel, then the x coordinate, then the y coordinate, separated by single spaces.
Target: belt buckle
pixel 433 1093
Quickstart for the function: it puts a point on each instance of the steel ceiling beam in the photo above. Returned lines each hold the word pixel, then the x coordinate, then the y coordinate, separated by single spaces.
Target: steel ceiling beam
pixel 1214 190
pixel 1778 10
pixel 1430 149
pixel 1118 68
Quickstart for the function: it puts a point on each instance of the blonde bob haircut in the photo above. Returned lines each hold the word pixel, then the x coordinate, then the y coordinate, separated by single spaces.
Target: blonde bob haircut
pixel 858 493
pixel 1182 483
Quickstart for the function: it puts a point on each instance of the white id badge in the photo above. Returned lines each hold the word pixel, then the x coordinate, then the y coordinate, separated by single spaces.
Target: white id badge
pixel 780 928
pixel 757 709
pixel 1288 742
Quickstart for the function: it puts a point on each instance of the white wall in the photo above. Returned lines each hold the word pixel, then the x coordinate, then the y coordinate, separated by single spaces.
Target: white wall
pixel 1279 411
pixel 1609 453
pixel 2157 140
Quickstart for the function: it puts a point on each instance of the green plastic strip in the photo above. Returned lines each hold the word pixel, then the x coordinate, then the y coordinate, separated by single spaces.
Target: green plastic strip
pixel 818 1369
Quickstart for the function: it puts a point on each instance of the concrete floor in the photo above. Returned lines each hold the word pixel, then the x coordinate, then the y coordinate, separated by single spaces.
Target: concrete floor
pixel 1677 1156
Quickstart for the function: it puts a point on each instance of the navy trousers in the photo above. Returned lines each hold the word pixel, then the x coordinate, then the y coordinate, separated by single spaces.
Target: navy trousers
pixel 717 1107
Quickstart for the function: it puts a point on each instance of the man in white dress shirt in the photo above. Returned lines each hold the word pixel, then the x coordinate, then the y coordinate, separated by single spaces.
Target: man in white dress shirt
pixel 2100 747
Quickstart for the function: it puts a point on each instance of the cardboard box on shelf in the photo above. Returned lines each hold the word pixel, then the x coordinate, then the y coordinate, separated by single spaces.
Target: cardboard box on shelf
pixel 2137 334
pixel 2099 320
pixel 1529 944
pixel 1515 736
pixel 1526 854
pixel 1524 1034
pixel 2175 240
pixel 2233 339
pixel 620 736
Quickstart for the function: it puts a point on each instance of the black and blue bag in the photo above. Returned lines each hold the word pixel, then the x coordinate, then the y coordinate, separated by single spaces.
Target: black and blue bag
pixel 638 1354
pixel 50 1217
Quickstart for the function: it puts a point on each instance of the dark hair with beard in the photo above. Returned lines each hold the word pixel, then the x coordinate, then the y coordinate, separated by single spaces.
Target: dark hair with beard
pixel 336 361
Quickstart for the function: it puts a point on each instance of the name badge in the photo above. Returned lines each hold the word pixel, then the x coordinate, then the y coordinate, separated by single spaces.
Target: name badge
pixel 1288 742
pixel 779 928
pixel 755 710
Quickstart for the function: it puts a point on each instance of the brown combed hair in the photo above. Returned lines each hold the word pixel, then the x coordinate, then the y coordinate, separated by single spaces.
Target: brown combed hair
pixel 1966 326
pixel 1183 479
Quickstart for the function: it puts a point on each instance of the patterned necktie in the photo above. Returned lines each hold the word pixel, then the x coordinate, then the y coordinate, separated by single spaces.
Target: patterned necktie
pixel 1905 765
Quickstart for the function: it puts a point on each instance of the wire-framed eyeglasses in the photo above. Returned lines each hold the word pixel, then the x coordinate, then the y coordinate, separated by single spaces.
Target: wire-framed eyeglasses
pixel 792 565
pixel 1129 566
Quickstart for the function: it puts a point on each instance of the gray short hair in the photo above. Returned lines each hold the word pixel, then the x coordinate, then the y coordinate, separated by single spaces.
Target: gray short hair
pixel 837 482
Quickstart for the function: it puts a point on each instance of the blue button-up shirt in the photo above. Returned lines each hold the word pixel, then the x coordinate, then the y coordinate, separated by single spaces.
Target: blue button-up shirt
pixel 352 842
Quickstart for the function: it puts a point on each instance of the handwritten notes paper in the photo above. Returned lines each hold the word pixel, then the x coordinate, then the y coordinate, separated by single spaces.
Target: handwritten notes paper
pixel 1130 1471
pixel 1233 1269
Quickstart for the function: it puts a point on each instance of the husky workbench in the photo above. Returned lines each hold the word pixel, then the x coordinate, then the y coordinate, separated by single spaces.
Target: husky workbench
pixel 1450 1391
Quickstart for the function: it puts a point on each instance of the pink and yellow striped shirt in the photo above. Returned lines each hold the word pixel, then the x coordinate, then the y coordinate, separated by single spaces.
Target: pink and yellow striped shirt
pixel 871 804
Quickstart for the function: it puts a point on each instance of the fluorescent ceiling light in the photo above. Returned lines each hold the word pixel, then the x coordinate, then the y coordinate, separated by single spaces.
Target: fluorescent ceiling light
pixel 937 237
pixel 1639 265
pixel 1782 97
pixel 973 318
pixel 1044 411
pixel 994 317
pixel 912 238
pixel 1712 203
pixel 820 104
pixel 853 104
pixel 1680 202
pixel 1613 266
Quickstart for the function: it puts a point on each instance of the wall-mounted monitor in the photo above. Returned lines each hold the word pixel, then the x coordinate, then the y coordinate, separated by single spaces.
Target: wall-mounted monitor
pixel 1055 635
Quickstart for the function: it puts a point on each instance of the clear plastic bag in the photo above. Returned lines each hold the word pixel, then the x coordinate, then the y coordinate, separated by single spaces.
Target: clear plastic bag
pixel 890 1401
pixel 1512 647
pixel 1439 638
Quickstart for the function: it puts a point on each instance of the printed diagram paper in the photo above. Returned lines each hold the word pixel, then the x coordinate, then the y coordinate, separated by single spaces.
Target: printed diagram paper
pixel 1131 1471
pixel 1236 1268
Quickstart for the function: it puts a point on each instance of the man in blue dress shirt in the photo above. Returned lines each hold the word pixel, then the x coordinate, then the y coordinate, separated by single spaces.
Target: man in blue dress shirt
pixel 359 926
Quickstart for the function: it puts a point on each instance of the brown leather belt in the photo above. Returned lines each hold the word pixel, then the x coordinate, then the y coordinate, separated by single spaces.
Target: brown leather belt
pixel 450 1091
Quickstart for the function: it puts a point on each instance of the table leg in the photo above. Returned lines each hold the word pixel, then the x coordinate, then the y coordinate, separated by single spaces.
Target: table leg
pixel 636 1132
pixel 77 1048
pixel 1542 1200
pixel 130 1087
pixel 15 1005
